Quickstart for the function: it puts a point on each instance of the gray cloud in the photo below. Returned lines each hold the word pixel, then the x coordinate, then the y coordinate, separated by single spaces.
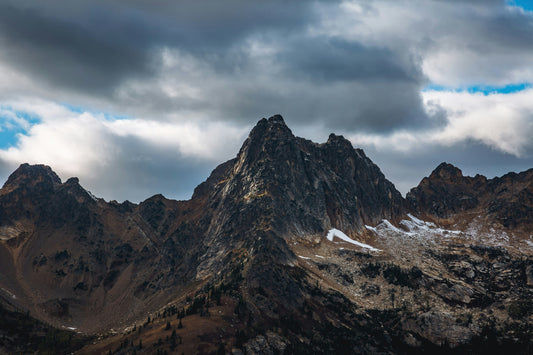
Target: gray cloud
pixel 94 46
pixel 325 59
pixel 140 171
pixel 236 61
pixel 98 48
pixel 369 81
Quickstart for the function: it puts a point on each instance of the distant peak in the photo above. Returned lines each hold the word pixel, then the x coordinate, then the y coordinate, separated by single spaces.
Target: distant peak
pixel 267 138
pixel 339 142
pixel 31 175
pixel 270 129
pixel 37 171
pixel 446 171
pixel 271 122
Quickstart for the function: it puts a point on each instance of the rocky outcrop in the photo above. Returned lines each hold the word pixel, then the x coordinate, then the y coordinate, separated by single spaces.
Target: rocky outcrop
pixel 446 192
pixel 303 187
pixel 505 201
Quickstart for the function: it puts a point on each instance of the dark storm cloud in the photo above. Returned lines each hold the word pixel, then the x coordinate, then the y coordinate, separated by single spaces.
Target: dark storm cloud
pixel 92 45
pixel 66 53
pixel 95 47
pixel 338 106
pixel 329 60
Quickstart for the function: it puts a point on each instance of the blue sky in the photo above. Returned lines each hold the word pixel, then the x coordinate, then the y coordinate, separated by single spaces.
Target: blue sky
pixel 525 4
pixel 484 89
pixel 10 129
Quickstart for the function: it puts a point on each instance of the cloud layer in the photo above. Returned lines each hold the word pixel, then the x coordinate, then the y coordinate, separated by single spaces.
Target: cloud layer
pixel 120 159
pixel 137 98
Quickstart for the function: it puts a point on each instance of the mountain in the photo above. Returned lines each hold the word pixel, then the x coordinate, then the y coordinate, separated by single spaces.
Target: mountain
pixel 502 202
pixel 290 247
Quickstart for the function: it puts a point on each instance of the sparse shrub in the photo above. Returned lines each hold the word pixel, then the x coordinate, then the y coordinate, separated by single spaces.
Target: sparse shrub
pixel 371 270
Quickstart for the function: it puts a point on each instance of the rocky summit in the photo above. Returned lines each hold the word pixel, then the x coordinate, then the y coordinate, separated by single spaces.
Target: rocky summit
pixel 290 247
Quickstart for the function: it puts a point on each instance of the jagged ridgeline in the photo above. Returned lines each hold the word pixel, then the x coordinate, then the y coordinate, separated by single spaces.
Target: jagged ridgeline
pixel 290 247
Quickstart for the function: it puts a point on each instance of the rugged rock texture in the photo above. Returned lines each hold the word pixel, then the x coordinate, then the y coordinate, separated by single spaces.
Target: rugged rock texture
pixel 245 265
pixel 289 188
pixel 505 201
pixel 73 259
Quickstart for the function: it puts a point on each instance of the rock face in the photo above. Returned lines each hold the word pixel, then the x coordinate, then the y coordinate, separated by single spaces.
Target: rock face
pixel 505 201
pixel 293 188
pixel 67 255
pixel 306 188
pixel 251 244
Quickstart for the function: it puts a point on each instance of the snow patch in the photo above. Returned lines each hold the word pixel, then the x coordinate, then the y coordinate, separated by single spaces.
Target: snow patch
pixel 304 257
pixel 414 228
pixel 337 233
pixel 319 256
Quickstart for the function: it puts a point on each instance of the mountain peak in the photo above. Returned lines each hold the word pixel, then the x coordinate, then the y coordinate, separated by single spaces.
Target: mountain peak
pixel 30 176
pixel 267 138
pixel 446 171
pixel 273 127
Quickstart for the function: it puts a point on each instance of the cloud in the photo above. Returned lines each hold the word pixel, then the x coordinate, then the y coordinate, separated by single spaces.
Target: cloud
pixel 485 134
pixel 503 122
pixel 190 78
pixel 121 159
pixel 178 60
pixel 93 47
pixel 354 64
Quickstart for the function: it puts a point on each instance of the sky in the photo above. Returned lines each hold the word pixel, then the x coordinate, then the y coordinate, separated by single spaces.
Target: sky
pixel 143 97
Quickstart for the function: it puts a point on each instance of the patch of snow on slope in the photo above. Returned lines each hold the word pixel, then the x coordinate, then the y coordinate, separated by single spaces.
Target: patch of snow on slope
pixel 415 232
pixel 337 233
pixel 414 227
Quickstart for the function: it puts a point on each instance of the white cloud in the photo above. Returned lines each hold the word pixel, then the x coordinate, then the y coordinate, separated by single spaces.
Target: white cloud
pixel 207 140
pixel 503 122
pixel 94 147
